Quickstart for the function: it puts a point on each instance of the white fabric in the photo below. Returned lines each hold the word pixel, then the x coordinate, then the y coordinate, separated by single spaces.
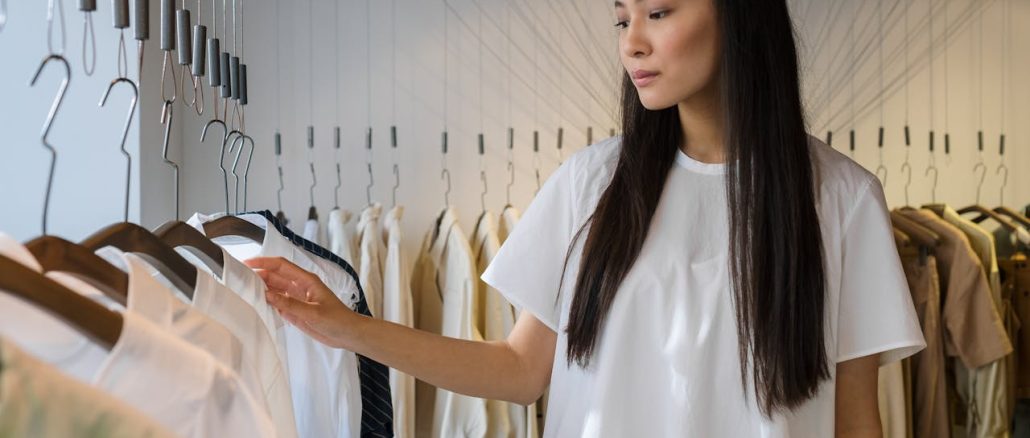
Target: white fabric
pixel 181 386
pixel 259 349
pixel 666 363
pixel 324 381
pixel 444 288
pixel 312 231
pixel 372 255
pixel 37 400
pixel 152 298
pixel 342 240
pixel 397 307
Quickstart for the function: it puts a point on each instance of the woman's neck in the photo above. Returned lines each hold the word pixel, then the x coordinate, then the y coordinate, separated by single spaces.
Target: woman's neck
pixel 701 119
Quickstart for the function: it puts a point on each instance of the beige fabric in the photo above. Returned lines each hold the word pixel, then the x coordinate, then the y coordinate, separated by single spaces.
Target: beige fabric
pixel 443 288
pixel 990 383
pixel 372 253
pixel 929 398
pixel 894 414
pixel 973 328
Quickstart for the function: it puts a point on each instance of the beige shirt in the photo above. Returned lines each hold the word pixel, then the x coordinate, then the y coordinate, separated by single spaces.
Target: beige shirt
pixel 991 383
pixel 973 328
pixel 443 288
pixel 930 416
pixel 372 253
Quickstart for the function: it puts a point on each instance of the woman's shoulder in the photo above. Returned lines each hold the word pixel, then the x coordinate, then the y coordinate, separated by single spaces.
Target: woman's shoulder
pixel 836 175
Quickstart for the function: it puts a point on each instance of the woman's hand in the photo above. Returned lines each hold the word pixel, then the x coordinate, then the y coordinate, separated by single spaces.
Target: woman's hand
pixel 303 300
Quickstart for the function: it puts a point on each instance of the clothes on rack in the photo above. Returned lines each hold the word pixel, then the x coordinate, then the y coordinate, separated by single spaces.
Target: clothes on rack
pixel 443 288
pixel 342 240
pixel 335 392
pixel 372 253
pixel 623 392
pixel 39 401
pixel 965 310
pixel 397 307
pixel 150 368
pixel 312 231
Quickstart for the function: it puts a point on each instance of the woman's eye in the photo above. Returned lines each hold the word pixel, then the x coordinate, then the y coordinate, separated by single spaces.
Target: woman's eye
pixel 657 15
pixel 622 24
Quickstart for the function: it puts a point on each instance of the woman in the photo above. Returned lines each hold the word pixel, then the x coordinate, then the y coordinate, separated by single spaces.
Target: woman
pixel 665 292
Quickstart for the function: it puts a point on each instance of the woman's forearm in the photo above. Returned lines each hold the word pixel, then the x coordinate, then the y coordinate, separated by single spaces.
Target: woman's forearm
pixel 491 370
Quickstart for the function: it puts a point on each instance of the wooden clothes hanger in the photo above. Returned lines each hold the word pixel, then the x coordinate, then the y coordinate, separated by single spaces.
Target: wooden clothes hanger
pixel 180 234
pixel 96 322
pixel 132 238
pixel 234 226
pixel 58 255
pixel 917 233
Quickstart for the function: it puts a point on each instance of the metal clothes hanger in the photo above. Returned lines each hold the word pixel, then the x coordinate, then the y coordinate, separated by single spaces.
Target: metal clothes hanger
pixel 132 238
pixel 312 211
pixel 101 325
pixel 396 166
pixel 49 123
pixel 368 164
pixel 278 164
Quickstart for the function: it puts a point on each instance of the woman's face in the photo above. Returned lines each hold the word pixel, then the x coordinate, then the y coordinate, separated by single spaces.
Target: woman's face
pixel 670 48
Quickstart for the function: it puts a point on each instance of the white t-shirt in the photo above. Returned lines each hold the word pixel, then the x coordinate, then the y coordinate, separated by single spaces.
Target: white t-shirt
pixel 666 362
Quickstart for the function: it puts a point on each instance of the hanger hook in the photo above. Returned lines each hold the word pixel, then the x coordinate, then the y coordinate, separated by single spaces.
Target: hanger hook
pixel 125 131
pixel 1004 181
pixel 167 113
pixel 396 182
pixel 242 140
pixel 368 165
pixel 883 179
pixel 933 188
pixel 446 175
pixel 49 123
pixel 225 132
pixel 246 170
pixel 231 139
pixel 908 181
pixel 482 196
pixel 983 174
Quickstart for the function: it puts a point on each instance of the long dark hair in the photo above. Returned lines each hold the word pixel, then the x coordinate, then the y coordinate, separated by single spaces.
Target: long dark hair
pixel 775 248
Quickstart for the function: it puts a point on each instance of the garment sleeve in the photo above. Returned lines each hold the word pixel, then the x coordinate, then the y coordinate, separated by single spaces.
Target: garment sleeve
pixel 529 266
pixel 875 313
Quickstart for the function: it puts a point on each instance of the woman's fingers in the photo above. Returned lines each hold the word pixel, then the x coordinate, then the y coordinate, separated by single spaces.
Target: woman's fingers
pixel 288 305
pixel 277 282
pixel 284 268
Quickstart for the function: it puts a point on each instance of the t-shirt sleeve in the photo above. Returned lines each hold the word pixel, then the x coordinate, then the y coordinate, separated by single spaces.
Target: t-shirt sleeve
pixel 528 268
pixel 875 313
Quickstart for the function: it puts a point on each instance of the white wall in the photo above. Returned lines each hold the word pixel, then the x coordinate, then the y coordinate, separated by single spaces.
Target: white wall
pixel 86 195
pixel 89 181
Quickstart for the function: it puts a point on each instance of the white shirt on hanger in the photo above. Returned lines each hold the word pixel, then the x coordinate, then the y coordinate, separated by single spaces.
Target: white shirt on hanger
pixel 666 363
pixel 397 308
pixel 342 241
pixel 324 381
pixel 151 296
pixel 373 252
pixel 40 401
pixel 312 231
pixel 444 292
pixel 259 349
pixel 181 386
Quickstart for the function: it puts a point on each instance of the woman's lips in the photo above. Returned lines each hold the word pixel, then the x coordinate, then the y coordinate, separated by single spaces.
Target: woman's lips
pixel 643 78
